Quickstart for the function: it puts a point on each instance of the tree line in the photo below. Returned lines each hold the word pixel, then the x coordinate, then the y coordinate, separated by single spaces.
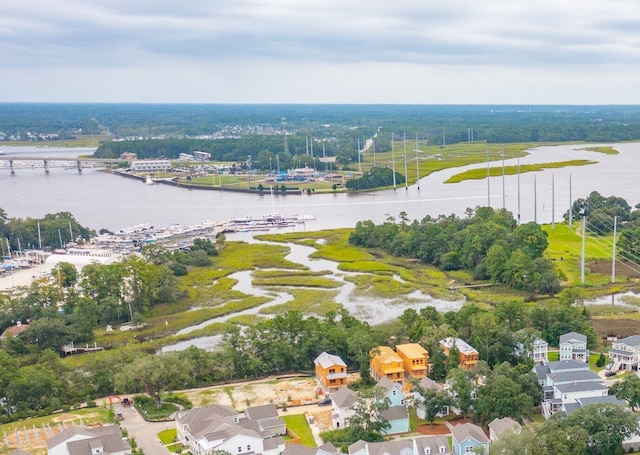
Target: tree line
pixel 487 242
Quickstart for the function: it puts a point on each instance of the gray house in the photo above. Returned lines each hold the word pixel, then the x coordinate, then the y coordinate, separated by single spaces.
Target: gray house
pixel 573 346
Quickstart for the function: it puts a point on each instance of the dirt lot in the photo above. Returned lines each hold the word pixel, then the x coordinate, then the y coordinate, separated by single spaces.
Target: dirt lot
pixel 623 268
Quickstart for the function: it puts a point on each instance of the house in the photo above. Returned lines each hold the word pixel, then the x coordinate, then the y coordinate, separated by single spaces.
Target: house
pixel 415 359
pixel 397 415
pixel 385 363
pixel 468 357
pixel 466 437
pixel 497 427
pixel 342 402
pixel 150 165
pixel 297 449
pixel 399 447
pixel 540 354
pixel 331 371
pixel 13 331
pixel 267 420
pixel 432 445
pixel 573 346
pixel 569 408
pixel 427 383
pixel 625 353
pixel 218 427
pixel 77 440
pixel 566 381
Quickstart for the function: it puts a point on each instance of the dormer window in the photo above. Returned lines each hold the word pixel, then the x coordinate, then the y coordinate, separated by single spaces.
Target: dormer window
pixel 441 449
pixel 427 451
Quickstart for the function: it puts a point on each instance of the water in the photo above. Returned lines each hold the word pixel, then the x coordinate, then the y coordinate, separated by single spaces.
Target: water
pixel 100 200
pixel 367 309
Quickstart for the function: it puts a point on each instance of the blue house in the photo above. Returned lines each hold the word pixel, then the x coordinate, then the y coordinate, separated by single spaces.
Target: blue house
pixel 397 415
pixel 467 437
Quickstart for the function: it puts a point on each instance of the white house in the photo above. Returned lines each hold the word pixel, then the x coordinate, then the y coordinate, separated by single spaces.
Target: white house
pixel 219 427
pixel 77 440
pixel 150 165
pixel 625 353
pixel 342 401
pixel 427 383
pixel 540 352
pixel 426 445
pixel 573 346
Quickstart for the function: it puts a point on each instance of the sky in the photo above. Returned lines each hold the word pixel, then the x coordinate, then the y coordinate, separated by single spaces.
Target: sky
pixel 321 51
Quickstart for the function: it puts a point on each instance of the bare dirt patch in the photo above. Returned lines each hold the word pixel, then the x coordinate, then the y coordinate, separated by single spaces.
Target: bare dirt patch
pixel 623 268
pixel 618 327
pixel 438 429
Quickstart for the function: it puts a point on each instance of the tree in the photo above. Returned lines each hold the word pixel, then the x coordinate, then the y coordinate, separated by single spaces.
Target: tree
pixel 432 400
pixel 66 274
pixel 606 425
pixel 154 374
pixel 627 389
pixel 367 419
pixel 463 388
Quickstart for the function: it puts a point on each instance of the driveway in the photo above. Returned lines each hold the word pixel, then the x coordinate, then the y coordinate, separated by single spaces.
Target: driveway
pixel 145 433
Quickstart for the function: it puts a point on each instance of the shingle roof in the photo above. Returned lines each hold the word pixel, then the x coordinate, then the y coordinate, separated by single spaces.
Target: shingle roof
pixel 344 397
pixel 499 426
pixel 387 385
pixel 326 360
pixel 581 387
pixel 567 365
pixel 382 448
pixel 395 413
pixel 573 337
pixel 633 340
pixel 297 449
pixel 463 431
pixel 432 442
pixel 264 412
pixel 574 376
pixel 428 383
pixel 66 434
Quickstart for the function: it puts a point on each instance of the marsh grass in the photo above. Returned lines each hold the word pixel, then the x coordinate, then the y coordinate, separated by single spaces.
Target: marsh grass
pixel 306 301
pixel 298 281
pixel 496 171
pixel 605 150
pixel 380 286
pixel 247 320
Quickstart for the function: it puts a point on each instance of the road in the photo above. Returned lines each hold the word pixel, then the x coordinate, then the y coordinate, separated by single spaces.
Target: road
pixel 145 433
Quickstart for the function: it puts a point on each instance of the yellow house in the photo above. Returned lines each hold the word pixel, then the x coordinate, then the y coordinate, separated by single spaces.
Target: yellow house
pixel 468 357
pixel 415 359
pixel 331 371
pixel 385 363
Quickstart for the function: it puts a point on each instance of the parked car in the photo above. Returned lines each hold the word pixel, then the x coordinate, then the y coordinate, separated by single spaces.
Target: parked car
pixel 609 373
pixel 325 402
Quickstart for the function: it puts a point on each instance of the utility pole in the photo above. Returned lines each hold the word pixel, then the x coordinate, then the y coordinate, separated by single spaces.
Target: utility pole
pixel 584 232
pixel 406 173
pixel 393 162
pixel 488 183
pixel 570 203
pixel 613 254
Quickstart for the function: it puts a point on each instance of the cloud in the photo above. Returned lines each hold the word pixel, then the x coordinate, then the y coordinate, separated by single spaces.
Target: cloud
pixel 221 40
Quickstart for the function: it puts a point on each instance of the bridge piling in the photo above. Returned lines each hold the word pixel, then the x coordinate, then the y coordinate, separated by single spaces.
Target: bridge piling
pixel 13 171
pixel 46 166
pixel 79 167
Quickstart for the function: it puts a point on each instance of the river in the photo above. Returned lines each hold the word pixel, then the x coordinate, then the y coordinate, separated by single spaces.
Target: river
pixel 101 200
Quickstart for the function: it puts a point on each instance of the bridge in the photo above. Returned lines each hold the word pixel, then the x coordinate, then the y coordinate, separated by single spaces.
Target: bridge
pixel 46 160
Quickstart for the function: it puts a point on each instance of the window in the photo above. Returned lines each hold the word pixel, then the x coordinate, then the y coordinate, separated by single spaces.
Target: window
pixel 393 392
pixel 427 451
pixel 248 447
pixel 468 449
pixel 441 449
pixel 239 449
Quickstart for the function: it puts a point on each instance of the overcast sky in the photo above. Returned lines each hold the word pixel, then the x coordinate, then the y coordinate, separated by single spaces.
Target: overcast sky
pixel 321 51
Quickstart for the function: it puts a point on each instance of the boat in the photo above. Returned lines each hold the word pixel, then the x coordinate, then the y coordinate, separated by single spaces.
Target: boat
pixel 149 180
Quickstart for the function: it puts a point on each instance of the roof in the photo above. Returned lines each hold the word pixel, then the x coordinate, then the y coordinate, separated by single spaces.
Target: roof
pixel 574 376
pixel 569 408
pixel 344 397
pixel 264 412
pixel 395 413
pixel 432 442
pixel 14 330
pixel 382 448
pixel 327 360
pixel 297 449
pixel 205 413
pixel 561 365
pixel 107 437
pixel 581 387
pixel 499 426
pixel 412 350
pixel 540 342
pixel 388 386
pixel 428 383
pixel 463 431
pixel 460 345
pixel 573 337
pixel 633 340
pixel 386 354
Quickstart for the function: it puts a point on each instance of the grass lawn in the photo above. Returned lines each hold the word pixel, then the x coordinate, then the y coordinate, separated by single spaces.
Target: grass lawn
pixel 298 424
pixel 168 436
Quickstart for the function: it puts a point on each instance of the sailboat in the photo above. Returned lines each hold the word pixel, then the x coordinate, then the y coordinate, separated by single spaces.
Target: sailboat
pixel 148 180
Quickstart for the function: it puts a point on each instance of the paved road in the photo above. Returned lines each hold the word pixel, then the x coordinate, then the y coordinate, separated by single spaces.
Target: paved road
pixel 145 433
